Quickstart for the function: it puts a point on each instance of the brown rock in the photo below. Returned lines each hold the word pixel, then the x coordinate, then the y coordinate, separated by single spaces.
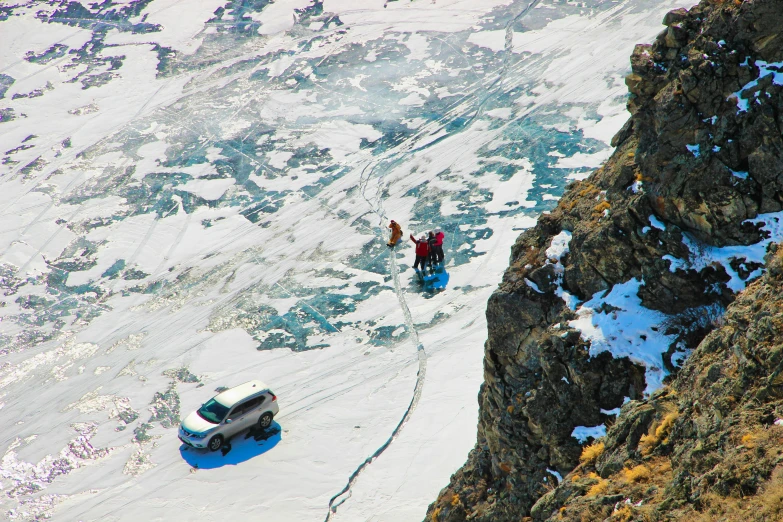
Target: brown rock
pixel 675 17
pixel 675 36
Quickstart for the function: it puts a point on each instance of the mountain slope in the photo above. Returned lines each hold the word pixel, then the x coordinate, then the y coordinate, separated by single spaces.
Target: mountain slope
pixel 196 194
pixel 608 293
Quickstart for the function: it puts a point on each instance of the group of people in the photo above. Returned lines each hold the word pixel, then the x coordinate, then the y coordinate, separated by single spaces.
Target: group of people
pixel 429 247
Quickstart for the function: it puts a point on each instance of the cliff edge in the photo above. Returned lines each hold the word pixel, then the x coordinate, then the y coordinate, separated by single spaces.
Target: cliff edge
pixel 665 254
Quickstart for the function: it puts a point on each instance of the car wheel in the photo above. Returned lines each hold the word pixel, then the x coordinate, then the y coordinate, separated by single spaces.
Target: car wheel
pixel 265 421
pixel 215 443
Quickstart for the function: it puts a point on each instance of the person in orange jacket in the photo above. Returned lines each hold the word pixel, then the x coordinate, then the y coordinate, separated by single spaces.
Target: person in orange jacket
pixel 395 235
pixel 422 251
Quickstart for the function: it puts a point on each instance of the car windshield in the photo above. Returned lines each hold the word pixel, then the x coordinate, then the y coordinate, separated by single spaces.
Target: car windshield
pixel 213 411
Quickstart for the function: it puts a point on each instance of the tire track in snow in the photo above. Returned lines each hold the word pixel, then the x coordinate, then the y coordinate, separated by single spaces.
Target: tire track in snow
pixel 337 500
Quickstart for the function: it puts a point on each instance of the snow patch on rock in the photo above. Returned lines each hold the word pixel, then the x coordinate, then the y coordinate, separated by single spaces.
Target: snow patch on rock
pixel 629 330
pixel 581 433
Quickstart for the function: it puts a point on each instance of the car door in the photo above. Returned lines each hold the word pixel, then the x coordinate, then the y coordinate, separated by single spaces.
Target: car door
pixel 237 419
pixel 255 410
pixel 242 415
pixel 251 411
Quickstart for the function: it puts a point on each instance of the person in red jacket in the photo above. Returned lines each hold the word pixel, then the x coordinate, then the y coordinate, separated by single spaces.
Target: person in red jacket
pixel 422 251
pixel 438 247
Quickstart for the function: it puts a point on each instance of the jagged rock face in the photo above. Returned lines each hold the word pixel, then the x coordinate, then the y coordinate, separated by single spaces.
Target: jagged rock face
pixel 682 89
pixel 694 162
pixel 710 446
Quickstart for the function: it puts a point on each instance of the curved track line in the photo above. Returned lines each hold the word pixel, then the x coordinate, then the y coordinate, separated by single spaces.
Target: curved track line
pixel 337 500
pixel 345 493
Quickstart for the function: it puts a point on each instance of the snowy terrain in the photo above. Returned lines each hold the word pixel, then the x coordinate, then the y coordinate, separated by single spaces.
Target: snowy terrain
pixel 194 194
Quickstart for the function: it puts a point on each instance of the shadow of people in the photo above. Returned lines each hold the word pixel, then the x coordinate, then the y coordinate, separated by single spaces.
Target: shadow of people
pixel 240 448
pixel 435 282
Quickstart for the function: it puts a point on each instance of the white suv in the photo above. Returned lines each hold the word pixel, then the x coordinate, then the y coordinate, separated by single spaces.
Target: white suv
pixel 226 414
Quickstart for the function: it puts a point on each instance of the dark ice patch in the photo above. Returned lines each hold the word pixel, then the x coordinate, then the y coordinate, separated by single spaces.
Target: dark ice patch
pixel 113 271
pixel 140 432
pixel 7 114
pixel 52 53
pixel 5 83
pixel 165 407
pixel 182 375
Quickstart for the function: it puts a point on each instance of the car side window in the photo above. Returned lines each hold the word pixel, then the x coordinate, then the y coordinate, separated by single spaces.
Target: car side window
pixel 246 407
pixel 253 403
pixel 238 411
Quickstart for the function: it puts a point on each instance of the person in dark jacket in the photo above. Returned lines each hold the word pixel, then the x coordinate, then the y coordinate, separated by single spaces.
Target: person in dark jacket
pixel 396 233
pixel 438 246
pixel 432 259
pixel 422 251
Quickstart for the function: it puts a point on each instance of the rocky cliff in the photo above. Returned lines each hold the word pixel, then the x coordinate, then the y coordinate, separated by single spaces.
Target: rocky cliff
pixel 656 256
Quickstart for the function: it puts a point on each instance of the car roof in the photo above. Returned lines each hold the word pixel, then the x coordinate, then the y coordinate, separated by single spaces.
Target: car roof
pixel 233 395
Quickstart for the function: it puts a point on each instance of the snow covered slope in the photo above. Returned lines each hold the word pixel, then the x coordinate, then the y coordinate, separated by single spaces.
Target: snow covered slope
pixel 194 194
